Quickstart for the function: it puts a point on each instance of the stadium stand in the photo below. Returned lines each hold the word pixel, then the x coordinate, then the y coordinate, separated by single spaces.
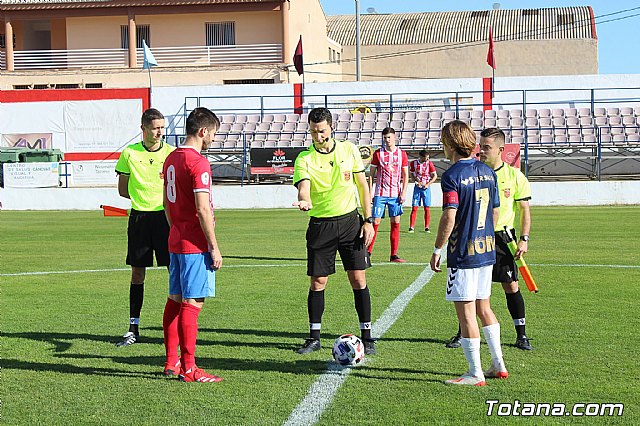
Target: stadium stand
pixel 543 127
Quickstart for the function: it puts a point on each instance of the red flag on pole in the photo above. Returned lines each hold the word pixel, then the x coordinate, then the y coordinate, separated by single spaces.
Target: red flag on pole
pixel 297 58
pixel 491 60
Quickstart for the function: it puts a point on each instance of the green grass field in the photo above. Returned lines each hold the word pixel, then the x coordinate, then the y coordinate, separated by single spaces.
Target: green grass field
pixel 60 365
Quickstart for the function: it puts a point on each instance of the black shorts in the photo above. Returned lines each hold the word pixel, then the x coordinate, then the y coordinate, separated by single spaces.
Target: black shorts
pixel 505 269
pixel 325 236
pixel 147 232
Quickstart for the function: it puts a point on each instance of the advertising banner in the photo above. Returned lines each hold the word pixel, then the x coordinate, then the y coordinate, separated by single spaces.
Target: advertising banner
pixel 92 173
pixel 27 140
pixel 272 161
pixel 31 175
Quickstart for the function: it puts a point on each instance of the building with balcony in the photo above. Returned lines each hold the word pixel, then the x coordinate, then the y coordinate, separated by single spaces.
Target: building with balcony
pixel 90 44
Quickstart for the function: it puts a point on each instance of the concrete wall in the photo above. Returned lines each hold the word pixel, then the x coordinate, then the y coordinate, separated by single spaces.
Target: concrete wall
pixel 513 58
pixel 281 196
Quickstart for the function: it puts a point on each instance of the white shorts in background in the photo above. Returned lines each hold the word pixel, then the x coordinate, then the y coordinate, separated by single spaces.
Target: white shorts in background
pixel 467 285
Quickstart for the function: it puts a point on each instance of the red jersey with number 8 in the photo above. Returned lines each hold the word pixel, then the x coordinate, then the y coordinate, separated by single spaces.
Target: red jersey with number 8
pixel 186 172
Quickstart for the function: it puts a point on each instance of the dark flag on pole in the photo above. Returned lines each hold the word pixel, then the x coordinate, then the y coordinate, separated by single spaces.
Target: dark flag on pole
pixel 298 63
pixel 491 60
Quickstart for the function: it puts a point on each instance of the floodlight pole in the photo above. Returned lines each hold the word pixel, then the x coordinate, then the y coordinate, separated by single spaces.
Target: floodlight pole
pixel 358 76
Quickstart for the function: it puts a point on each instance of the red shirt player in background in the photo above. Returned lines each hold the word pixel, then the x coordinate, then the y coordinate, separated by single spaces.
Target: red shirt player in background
pixel 424 175
pixel 390 167
pixel 193 248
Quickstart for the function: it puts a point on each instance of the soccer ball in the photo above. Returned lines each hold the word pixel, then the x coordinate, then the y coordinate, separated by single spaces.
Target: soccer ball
pixel 348 350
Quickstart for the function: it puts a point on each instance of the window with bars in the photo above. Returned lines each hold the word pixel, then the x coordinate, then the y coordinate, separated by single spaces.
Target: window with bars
pixel 3 41
pixel 143 32
pixel 221 33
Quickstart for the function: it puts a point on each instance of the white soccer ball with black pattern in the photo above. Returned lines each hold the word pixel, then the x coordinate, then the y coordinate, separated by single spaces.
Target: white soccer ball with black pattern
pixel 348 350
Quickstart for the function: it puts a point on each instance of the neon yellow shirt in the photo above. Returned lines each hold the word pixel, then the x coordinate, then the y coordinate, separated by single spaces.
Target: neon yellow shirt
pixel 513 186
pixel 144 169
pixel 333 189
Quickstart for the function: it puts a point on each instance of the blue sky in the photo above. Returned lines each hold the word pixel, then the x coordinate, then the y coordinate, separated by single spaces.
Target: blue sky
pixel 616 38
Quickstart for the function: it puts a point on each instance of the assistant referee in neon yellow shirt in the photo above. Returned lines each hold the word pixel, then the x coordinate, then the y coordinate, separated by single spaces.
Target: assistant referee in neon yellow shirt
pixel 140 179
pixel 327 176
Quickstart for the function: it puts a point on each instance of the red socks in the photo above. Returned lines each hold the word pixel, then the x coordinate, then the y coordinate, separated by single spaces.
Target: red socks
pixel 427 217
pixel 170 327
pixel 188 332
pixel 414 213
pixel 375 234
pixel 394 238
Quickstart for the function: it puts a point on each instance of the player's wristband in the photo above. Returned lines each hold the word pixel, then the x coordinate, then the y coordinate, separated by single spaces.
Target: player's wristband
pixel 437 251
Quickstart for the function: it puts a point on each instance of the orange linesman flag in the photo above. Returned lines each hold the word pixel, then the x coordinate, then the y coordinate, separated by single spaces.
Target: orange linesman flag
pixel 113 211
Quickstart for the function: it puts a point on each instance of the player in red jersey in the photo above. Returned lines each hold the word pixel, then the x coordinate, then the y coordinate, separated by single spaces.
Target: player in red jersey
pixel 193 247
pixel 390 167
pixel 424 175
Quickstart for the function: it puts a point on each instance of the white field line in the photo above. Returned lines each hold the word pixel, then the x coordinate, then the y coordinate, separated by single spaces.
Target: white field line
pixel 264 265
pixel 323 390
pixel 292 265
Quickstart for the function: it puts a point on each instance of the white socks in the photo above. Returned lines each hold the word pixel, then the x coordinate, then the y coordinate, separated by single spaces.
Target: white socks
pixel 492 336
pixel 471 348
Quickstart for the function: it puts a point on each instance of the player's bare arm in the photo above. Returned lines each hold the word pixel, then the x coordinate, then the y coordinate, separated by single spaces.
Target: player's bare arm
pixel 447 222
pixel 123 186
pixel 165 205
pixel 367 231
pixel 525 227
pixel 434 176
pixel 373 171
pixel 304 196
pixel 405 184
pixel 203 209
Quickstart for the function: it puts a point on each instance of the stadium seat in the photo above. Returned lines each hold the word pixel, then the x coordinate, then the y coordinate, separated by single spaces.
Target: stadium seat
pixel 531 113
pixel 355 126
pixel 224 128
pixel 420 142
pixel 476 114
pixel 433 141
pixel 277 126
pixel 342 126
pixel 601 121
pixel 573 139
pixel 515 113
pixel 615 120
pixel 589 139
pixel 293 118
pixel 572 121
pixel 531 122
pixel 396 125
pixel 279 118
pixel 368 126
pixel 626 111
pixel 256 144
pixel 557 112
pixel 517 139
pixel 634 138
pixel 269 143
pixel 534 139
pixel 397 116
pixel 517 122
pixel 584 112
pixel 383 116
pixel 297 143
pixel 490 114
pixel 357 117
pixel 448 116
pixel 267 118
pixel 613 112
pixel 263 127
pixel 570 112
pixel 341 135
pixel 370 116
pixel 302 126
pixel 241 119
pixel 381 124
pixel 237 127
pixel 599 112
pixel 464 115
pixel 228 119
pixel 253 118
pixel 503 123
pixel 410 115
pixel 628 120
pixel 290 126
pixel 436 115
pixel 620 139
pixel 544 113
pixel 502 113
pixel 636 111
pixel 476 124
pixel 423 115
pixel 250 127
pixel 409 125
pixel 490 122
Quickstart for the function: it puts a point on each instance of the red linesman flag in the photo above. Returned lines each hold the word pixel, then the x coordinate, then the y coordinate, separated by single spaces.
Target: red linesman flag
pixel 491 60
pixel 298 63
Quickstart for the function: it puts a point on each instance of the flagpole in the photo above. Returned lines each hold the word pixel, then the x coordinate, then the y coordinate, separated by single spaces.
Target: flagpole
pixel 150 87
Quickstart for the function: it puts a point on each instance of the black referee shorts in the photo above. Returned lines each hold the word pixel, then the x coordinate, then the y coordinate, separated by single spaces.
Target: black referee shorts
pixel 147 232
pixel 505 269
pixel 326 236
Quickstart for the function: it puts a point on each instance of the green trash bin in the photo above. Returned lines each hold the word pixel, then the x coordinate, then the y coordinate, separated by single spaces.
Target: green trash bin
pixel 11 155
pixel 41 156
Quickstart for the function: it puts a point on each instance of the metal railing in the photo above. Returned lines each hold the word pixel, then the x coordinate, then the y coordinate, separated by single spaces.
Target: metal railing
pixel 165 56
